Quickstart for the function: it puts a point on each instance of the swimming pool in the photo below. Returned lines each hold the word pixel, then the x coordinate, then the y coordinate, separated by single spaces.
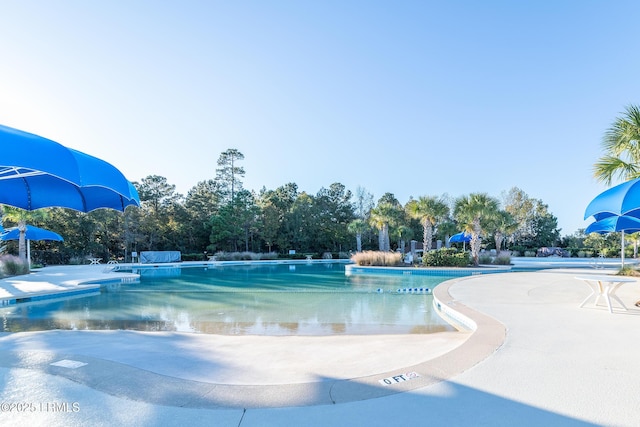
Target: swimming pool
pixel 253 299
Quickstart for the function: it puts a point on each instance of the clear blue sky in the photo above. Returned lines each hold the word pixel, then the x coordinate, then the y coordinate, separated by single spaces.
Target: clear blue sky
pixel 414 98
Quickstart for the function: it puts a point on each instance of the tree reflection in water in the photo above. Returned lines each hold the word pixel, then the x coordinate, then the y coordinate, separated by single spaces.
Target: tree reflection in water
pixel 274 299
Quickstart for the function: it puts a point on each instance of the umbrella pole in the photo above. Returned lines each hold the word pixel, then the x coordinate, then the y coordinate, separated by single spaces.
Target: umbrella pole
pixel 622 251
pixel 29 253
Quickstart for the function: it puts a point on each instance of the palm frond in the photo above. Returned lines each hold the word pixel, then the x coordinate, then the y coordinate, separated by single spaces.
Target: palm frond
pixel 610 168
pixel 621 144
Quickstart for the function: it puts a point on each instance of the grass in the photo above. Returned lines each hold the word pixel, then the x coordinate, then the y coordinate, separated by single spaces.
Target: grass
pixel 11 265
pixel 628 270
pixel 377 258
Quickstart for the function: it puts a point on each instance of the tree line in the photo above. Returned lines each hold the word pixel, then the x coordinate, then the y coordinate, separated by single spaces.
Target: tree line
pixel 219 214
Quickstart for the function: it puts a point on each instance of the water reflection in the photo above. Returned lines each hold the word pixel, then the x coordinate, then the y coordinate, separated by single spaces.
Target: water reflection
pixel 256 300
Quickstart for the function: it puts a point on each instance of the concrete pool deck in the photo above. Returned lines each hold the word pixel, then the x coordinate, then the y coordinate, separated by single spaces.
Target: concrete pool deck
pixel 535 359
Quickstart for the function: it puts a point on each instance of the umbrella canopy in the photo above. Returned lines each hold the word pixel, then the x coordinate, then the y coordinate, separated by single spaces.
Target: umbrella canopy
pixel 32 233
pixel 36 172
pixel 614 224
pixel 623 199
pixel 460 237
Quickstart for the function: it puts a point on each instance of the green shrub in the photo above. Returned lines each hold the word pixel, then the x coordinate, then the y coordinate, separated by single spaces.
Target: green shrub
pixel 502 260
pixel 338 255
pixel 198 256
pixel 517 250
pixel 244 256
pixel 77 260
pixel 529 253
pixel 269 255
pixel 485 259
pixel 446 257
pixel 297 256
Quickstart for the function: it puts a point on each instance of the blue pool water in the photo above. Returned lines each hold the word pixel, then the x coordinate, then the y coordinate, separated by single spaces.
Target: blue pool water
pixel 256 299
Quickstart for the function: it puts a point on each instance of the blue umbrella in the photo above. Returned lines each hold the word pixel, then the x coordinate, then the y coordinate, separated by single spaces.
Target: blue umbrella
pixel 460 237
pixel 463 237
pixel 36 173
pixel 32 233
pixel 615 223
pixel 623 199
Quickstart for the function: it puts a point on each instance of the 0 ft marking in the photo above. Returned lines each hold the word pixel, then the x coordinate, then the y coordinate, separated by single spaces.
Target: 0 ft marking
pixel 400 378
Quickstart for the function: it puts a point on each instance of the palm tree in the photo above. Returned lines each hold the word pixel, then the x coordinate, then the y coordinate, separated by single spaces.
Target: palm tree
pixel 429 210
pixel 621 144
pixel 20 217
pixel 387 214
pixel 471 211
pixel 357 227
pixel 503 224
pixel 403 232
pixel 446 229
pixel 380 219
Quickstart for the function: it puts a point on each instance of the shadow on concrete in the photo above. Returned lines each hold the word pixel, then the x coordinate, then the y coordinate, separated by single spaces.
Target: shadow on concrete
pixel 444 404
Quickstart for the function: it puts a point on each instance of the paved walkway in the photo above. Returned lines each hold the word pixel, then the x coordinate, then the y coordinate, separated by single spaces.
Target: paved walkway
pixel 536 359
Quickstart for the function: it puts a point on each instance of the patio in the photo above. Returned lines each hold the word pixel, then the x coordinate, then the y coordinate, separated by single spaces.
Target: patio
pixel 559 364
